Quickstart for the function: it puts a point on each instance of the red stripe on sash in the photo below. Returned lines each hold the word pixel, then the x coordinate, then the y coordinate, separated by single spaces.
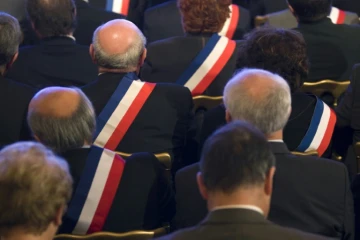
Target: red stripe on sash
pixel 328 134
pixel 341 18
pixel 219 65
pixel 234 21
pixel 125 7
pixel 108 195
pixel 129 116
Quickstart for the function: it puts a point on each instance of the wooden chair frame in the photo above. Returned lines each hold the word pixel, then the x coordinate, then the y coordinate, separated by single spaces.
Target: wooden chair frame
pixel 310 153
pixel 206 102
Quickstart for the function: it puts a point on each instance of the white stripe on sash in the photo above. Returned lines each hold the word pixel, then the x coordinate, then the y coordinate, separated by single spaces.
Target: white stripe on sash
pixel 208 63
pixel 320 133
pixel 226 26
pixel 334 14
pixel 95 193
pixel 117 6
pixel 119 113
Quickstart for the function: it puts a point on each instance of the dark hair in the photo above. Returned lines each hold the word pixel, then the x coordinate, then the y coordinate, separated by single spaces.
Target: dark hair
pixel 236 155
pixel 204 16
pixel 52 18
pixel 311 10
pixel 10 38
pixel 279 51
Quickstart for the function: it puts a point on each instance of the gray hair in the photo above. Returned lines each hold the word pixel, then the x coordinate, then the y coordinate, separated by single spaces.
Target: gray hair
pixel 124 61
pixel 10 38
pixel 267 109
pixel 65 133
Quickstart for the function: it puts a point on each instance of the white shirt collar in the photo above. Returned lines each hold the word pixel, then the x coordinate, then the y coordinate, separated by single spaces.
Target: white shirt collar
pixel 240 206
pixel 276 140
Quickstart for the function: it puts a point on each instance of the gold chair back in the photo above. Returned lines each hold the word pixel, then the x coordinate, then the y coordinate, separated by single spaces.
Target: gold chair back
pixel 310 153
pixel 206 102
pixel 261 20
pixel 334 87
pixel 163 158
pixel 133 235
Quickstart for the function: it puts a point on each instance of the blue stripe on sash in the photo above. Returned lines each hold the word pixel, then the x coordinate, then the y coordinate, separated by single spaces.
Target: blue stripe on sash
pixel 314 125
pixel 113 102
pixel 200 58
pixel 82 190
pixel 109 5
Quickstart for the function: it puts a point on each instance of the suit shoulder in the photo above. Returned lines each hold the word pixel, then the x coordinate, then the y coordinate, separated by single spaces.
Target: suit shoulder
pixel 291 233
pixel 194 168
pixel 165 43
pixel 160 7
pixel 173 88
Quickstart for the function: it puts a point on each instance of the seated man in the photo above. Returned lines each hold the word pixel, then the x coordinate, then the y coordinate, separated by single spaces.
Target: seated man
pixel 286 57
pixel 111 194
pixel 14 97
pixel 35 189
pixel 236 175
pixel 134 116
pixel 58 60
pixel 333 49
pixel 164 21
pixel 302 185
pixel 201 60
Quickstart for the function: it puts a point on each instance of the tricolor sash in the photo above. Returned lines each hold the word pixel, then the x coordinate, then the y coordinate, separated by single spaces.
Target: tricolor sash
pixel 207 64
pixel 320 130
pixel 118 6
pixel 121 110
pixel 231 23
pixel 95 193
pixel 337 16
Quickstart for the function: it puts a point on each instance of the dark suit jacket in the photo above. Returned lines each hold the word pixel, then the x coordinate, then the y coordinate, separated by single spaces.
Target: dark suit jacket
pixel 238 224
pixel 136 10
pixel 164 21
pixel 162 123
pixel 310 194
pixel 14 101
pixel 57 61
pixel 303 106
pixel 356 193
pixel 332 49
pixel 167 59
pixel 144 199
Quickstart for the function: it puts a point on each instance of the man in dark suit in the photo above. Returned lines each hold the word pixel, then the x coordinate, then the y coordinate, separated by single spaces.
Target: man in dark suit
pixel 139 196
pixel 333 49
pixel 235 177
pixel 299 200
pixel 14 97
pixel 157 116
pixel 58 60
pixel 164 21
pixel 190 64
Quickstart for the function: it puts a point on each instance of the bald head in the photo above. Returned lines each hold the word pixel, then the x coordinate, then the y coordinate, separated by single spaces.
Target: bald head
pixel 259 97
pixel 118 44
pixel 62 118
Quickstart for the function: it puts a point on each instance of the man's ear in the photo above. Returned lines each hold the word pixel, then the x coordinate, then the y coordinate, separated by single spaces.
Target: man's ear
pixel 201 186
pixel 59 214
pixel 92 53
pixel 143 57
pixel 228 117
pixel 268 188
pixel 37 138
pixel 291 9
pixel 13 59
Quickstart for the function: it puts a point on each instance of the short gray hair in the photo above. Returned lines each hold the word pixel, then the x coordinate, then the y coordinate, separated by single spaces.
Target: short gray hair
pixel 65 133
pixel 10 38
pixel 124 61
pixel 268 111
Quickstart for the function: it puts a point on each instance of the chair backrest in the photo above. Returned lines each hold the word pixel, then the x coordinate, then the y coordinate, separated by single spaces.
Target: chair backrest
pixel 260 21
pixel 203 102
pixel 310 153
pixel 319 88
pixel 357 153
pixel 133 235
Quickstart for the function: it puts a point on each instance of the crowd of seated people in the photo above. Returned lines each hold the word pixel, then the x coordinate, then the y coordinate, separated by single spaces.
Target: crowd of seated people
pixel 93 92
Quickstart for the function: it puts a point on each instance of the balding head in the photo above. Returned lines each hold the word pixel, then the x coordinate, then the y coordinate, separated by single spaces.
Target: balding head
pixel 62 118
pixel 260 98
pixel 118 45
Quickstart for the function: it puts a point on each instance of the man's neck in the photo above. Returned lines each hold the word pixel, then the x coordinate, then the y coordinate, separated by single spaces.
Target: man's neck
pixel 108 70
pixel 20 234
pixel 275 135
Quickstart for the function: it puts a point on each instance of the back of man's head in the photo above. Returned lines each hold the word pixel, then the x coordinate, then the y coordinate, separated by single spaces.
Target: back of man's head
pixel 10 39
pixel 118 45
pixel 236 158
pixel 62 118
pixel 35 187
pixel 52 18
pixel 310 10
pixel 260 98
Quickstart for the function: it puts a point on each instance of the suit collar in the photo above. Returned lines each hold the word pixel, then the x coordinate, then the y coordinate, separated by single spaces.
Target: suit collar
pixel 207 35
pixel 279 148
pixel 323 22
pixel 111 76
pixel 81 4
pixel 61 40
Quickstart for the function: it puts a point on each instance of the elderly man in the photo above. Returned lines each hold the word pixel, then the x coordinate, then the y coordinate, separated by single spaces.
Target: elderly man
pixel 128 195
pixel 14 97
pixel 57 60
pixel 236 178
pixel 299 200
pixel 35 187
pixel 134 116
